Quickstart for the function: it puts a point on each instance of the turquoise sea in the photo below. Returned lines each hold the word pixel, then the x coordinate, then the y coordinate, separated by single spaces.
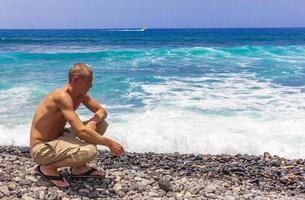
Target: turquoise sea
pixel 167 90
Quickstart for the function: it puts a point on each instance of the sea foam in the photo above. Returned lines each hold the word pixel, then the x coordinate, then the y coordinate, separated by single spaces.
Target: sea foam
pixel 232 115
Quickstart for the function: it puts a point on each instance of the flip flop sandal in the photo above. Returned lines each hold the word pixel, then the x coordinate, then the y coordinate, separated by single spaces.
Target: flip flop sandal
pixel 49 178
pixel 87 174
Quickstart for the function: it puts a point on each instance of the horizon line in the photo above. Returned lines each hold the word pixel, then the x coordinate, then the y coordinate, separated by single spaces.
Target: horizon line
pixel 147 28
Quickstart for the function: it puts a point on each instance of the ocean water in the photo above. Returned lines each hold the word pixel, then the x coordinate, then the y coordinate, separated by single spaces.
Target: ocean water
pixel 188 91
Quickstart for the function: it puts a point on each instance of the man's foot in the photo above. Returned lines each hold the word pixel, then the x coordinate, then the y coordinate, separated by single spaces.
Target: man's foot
pixel 52 175
pixel 86 172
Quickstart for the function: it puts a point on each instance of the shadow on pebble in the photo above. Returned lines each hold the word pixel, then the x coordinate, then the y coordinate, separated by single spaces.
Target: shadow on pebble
pixel 80 187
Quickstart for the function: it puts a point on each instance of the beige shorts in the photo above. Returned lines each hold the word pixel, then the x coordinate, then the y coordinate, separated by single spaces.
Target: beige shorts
pixel 65 146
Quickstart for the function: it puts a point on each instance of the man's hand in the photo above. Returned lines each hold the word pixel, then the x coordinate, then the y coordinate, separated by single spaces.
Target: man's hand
pixel 91 125
pixel 116 148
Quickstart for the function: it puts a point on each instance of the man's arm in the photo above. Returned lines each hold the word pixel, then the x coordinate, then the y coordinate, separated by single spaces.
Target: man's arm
pixel 65 103
pixel 99 112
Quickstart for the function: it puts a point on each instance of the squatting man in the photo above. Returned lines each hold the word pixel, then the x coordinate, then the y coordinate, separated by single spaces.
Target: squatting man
pixel 54 146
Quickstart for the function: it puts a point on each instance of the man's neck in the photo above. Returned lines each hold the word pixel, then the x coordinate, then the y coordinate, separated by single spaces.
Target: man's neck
pixel 71 91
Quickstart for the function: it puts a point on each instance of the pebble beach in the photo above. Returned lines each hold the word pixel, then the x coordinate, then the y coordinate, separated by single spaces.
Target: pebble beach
pixel 159 176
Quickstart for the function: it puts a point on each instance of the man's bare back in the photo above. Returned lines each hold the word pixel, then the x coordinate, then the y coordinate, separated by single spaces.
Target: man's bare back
pixel 48 122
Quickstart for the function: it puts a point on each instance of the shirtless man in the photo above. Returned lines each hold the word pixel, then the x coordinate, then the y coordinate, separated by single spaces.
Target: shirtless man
pixel 53 146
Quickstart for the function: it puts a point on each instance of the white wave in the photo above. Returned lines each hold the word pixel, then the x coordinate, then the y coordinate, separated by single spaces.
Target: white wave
pixel 14 98
pixel 116 106
pixel 18 134
pixel 169 130
pixel 233 92
pixel 215 115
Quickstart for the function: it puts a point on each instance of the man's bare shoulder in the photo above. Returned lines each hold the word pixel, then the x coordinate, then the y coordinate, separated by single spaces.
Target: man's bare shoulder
pixel 61 97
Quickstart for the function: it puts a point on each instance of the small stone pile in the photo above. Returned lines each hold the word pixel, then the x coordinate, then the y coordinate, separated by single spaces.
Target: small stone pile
pixel 159 176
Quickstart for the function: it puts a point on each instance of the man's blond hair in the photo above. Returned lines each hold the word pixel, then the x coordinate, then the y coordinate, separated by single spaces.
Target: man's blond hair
pixel 79 69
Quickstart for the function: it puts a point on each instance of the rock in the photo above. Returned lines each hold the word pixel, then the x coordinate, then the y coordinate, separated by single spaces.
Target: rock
pixel 195 189
pixel 117 186
pixel 140 187
pixel 41 195
pixel 290 180
pixel 101 192
pixel 161 193
pixel 111 190
pixel 293 178
pixel 51 195
pixel 152 194
pixel 267 156
pixel 30 178
pixel 138 178
pixel 84 191
pixel 248 196
pixel 41 182
pixel 25 182
pixel 118 179
pixel 118 189
pixel 178 188
pixel 26 197
pixel 170 194
pixel 164 184
pixel 187 195
pixel 179 196
pixel 149 182
pixel 4 189
pixel 140 174
pixel 275 163
pixel 228 197
pixel 17 179
pixel 210 188
pixel 120 193
pixel 11 186
pixel 93 195
pixel 60 194
pixel 184 180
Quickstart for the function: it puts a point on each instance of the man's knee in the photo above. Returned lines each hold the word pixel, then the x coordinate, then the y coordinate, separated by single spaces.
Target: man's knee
pixel 101 127
pixel 89 152
pixel 85 154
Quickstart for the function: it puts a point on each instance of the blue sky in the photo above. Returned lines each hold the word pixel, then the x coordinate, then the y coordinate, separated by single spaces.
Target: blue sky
pixel 151 13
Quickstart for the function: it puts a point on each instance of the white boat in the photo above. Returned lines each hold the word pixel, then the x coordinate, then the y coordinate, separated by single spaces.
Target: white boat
pixel 143 29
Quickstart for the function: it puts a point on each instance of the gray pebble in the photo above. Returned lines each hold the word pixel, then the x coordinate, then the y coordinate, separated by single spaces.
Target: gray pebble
pixel 41 195
pixel 4 189
pixel 164 184
pixel 30 178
